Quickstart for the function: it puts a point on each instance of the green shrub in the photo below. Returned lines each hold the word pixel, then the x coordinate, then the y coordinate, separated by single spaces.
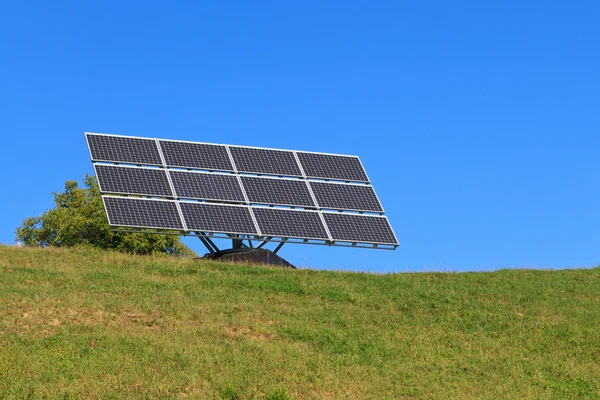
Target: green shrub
pixel 79 219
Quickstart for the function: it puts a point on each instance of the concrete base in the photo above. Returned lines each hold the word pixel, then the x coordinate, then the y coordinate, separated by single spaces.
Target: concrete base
pixel 251 256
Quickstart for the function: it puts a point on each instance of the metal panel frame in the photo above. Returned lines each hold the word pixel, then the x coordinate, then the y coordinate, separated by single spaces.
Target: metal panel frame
pixel 206 173
pixel 299 179
pixel 265 173
pixel 142 227
pixel 367 216
pixel 312 195
pixel 164 167
pixel 235 171
pixel 128 193
pixel 310 182
pixel 203 143
pixel 218 144
pixel 267 239
pixel 224 232
pixel 119 136
pixel 294 210
pixel 340 155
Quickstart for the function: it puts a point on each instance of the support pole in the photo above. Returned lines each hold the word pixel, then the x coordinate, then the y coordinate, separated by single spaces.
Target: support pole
pixel 212 243
pixel 279 246
pixel 209 244
pixel 261 244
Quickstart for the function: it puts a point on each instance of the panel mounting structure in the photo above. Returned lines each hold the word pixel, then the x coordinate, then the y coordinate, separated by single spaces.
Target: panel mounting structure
pixel 235 192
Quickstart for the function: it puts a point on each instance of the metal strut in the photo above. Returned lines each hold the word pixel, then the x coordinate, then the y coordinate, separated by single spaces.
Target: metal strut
pixel 280 245
pixel 209 244
pixel 261 244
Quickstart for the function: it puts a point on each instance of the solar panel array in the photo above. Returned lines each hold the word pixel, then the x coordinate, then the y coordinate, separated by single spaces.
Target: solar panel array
pixel 220 189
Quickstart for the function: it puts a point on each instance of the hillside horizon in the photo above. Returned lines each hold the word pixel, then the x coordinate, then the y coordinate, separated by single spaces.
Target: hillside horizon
pixel 82 322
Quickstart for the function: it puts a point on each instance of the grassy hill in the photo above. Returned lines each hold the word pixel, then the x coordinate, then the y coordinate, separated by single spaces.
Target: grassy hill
pixel 87 323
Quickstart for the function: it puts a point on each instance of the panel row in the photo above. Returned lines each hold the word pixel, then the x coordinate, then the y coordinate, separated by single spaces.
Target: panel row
pixel 238 219
pixel 231 188
pixel 214 157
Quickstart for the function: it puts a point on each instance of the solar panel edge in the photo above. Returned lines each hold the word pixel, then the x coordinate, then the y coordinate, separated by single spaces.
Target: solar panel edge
pixel 337 180
pixel 264 234
pixel 98 179
pixel 229 146
pixel 88 134
pixel 305 164
pixel 238 160
pixel 171 173
pixel 104 197
pixel 87 142
pixel 216 145
pixel 248 189
pixel 364 170
pixel 257 233
pixel 396 243
pixel 380 211
pixel 106 210
pixel 223 144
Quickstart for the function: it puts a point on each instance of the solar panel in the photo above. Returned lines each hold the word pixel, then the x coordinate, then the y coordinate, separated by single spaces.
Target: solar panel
pixel 207 217
pixel 224 192
pixel 133 180
pixel 142 213
pixel 123 149
pixel 289 192
pixel 344 196
pixel 281 222
pixel 265 161
pixel 206 186
pixel 331 166
pixel 360 228
pixel 196 155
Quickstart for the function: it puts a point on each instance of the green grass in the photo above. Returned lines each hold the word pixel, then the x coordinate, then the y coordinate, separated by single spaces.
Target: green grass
pixel 83 323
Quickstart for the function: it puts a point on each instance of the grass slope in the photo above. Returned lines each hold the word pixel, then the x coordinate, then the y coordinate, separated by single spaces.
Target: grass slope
pixel 87 323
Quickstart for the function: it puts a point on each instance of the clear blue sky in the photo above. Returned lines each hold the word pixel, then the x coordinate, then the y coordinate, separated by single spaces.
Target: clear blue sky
pixel 478 122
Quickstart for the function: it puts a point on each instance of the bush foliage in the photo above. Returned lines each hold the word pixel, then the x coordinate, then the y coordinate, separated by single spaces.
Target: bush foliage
pixel 79 219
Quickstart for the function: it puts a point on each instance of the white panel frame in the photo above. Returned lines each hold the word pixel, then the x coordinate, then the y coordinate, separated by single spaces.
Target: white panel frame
pixel 264 173
pixel 129 193
pixel 366 216
pixel 294 210
pixel 312 195
pixel 87 134
pixel 143 227
pixel 336 155
pixel 257 233
pixel 226 201
pixel 310 182
pixel 299 180
pixel 197 168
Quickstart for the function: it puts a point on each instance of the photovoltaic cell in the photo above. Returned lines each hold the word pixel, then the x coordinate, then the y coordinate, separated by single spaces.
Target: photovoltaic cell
pixel 142 213
pixel 277 191
pixel 265 161
pixel 280 222
pixel 196 155
pixel 360 228
pixel 206 186
pixel 330 166
pixel 133 180
pixel 206 217
pixel 341 196
pixel 123 149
